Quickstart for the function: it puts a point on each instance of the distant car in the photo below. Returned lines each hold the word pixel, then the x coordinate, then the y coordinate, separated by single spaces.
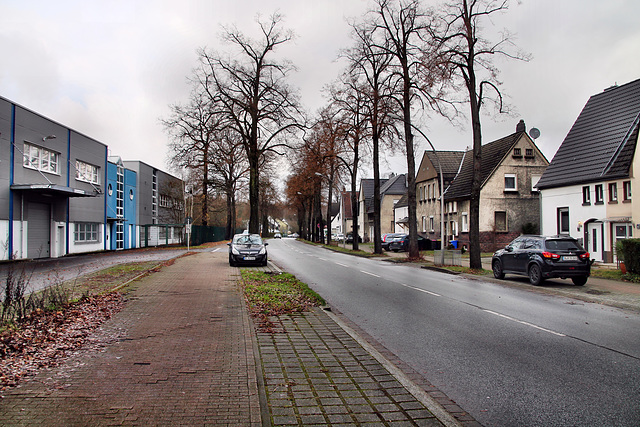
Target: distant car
pixel 247 249
pixel 349 238
pixel 401 243
pixel 387 239
pixel 541 257
pixel 277 236
pixel 340 237
pixel 294 235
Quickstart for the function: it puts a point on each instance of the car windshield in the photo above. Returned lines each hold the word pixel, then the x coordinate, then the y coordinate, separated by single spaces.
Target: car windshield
pixel 247 239
pixel 562 245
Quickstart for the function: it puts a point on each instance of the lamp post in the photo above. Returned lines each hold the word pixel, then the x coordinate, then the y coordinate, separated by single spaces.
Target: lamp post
pixel 441 195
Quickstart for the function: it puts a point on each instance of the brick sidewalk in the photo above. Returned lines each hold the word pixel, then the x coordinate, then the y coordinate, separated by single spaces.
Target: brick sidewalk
pixel 179 353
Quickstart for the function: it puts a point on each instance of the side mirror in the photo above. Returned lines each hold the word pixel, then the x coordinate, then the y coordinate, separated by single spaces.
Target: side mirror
pixel 508 248
pixel 228 243
pixel 266 244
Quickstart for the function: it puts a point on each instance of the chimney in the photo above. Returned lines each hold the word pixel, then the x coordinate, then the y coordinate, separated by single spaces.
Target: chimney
pixel 521 127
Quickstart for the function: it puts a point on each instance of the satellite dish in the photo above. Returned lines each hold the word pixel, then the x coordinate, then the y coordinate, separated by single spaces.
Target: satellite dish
pixel 534 133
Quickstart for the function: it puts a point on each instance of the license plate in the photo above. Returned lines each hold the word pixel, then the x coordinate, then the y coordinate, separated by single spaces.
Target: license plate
pixel 569 258
pixel 249 258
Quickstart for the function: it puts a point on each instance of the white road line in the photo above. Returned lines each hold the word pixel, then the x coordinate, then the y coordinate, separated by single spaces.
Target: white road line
pixel 343 265
pixel 525 323
pixel 370 274
pixel 420 290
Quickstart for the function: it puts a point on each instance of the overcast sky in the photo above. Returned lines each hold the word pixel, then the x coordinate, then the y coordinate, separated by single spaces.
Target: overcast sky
pixel 110 69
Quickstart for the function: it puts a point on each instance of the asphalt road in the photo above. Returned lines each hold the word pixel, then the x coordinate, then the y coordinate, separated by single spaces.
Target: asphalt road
pixel 506 355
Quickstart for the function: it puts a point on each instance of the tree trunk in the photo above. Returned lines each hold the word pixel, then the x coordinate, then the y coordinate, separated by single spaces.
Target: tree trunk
pixel 475 259
pixel 411 168
pixel 377 231
pixel 254 193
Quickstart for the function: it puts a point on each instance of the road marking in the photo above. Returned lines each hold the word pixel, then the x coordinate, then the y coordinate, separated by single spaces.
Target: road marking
pixel 370 274
pixel 215 250
pixel 343 265
pixel 420 290
pixel 525 323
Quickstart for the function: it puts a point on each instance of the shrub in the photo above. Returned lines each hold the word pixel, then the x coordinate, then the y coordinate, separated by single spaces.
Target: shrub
pixel 630 253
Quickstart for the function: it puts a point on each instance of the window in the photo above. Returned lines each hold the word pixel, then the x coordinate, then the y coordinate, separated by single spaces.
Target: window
pixel 599 194
pixel 510 182
pixel 87 173
pixel 534 181
pixel 528 152
pixel 86 232
pixel 464 222
pixel 563 220
pixel 421 194
pixel 517 152
pixel 424 224
pixel 501 220
pixel 39 158
pixel 586 195
pixel 453 228
pixel 613 192
pixel 451 207
pixel 626 191
pixel 431 224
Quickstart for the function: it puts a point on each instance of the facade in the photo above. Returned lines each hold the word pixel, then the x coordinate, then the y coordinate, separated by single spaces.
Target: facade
pixel 342 223
pixel 587 189
pixel 509 202
pixel 391 191
pixel 121 206
pixel 61 194
pixel 159 207
pixel 52 184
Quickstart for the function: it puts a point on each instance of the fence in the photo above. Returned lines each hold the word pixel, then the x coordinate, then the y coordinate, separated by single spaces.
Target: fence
pixel 169 234
pixel 451 257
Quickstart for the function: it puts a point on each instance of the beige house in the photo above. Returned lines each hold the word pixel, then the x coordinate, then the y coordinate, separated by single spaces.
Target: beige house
pixel 391 191
pixel 509 203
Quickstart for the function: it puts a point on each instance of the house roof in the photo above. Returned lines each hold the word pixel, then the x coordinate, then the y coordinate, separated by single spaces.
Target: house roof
pixel 601 143
pixel 450 161
pixel 395 185
pixel 492 155
pixel 403 202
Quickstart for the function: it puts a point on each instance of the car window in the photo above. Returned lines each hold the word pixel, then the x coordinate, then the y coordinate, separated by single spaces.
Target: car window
pixel 517 244
pixel 248 239
pixel 563 245
pixel 531 244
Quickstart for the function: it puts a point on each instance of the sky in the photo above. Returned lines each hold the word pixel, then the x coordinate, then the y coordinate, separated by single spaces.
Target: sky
pixel 111 69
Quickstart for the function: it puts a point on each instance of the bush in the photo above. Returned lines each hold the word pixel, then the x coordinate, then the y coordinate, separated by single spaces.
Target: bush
pixel 630 253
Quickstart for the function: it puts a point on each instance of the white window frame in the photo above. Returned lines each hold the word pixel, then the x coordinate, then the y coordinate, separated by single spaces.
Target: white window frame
pixel 464 222
pixel 87 172
pixel 626 191
pixel 86 232
pixel 534 181
pixel 41 159
pixel 515 182
pixel 431 223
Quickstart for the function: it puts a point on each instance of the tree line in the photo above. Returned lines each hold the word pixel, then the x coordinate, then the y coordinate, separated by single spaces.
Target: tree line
pixel 406 63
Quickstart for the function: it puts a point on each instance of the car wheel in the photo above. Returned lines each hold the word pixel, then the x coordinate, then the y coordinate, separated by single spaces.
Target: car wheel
pixel 535 275
pixel 231 263
pixel 498 273
pixel 579 281
pixel 264 263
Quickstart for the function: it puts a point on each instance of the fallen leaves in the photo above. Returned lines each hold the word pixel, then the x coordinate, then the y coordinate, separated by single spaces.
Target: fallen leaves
pixel 45 338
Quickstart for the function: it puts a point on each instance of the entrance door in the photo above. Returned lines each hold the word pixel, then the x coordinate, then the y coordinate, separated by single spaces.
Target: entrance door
pixel 38 230
pixel 594 244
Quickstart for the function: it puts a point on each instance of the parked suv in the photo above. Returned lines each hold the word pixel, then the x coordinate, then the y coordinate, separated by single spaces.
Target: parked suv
pixel 541 257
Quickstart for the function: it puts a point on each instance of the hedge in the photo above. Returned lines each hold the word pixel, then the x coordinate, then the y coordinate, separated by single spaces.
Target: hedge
pixel 631 254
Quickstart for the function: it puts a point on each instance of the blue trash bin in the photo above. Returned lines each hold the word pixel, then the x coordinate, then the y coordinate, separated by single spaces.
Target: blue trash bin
pixel 454 244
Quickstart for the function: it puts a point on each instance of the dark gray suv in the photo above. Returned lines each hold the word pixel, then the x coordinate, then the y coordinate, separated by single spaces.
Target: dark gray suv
pixel 541 257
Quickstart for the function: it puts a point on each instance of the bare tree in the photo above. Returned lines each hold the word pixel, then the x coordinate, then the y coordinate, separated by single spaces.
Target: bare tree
pixel 470 56
pixel 228 167
pixel 192 128
pixel 258 104
pixel 347 97
pixel 403 26
pixel 370 60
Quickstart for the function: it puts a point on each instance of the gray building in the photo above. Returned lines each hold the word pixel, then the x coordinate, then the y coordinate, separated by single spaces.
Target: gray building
pixel 51 187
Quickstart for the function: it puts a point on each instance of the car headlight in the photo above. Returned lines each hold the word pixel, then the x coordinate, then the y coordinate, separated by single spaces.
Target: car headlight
pixel 234 250
pixel 263 251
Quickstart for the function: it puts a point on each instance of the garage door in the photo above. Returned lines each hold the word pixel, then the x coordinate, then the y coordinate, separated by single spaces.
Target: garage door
pixel 38 230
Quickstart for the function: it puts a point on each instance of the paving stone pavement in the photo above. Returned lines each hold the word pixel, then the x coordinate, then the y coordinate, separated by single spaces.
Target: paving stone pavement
pixel 179 353
pixel 184 351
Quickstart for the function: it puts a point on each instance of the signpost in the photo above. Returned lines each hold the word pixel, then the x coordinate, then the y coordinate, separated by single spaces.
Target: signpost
pixel 188 230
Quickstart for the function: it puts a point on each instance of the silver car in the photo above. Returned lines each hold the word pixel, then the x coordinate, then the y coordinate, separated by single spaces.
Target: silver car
pixel 247 249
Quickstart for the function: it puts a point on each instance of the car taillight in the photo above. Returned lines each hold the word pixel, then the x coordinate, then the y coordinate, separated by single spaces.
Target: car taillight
pixel 584 255
pixel 550 255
